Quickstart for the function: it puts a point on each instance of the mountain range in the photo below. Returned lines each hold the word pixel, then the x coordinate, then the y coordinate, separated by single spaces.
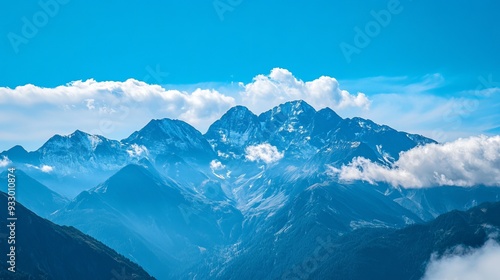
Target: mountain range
pixel 72 163
pixel 248 199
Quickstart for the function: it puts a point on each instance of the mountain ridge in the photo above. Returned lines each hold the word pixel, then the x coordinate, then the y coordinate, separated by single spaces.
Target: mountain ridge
pixel 295 128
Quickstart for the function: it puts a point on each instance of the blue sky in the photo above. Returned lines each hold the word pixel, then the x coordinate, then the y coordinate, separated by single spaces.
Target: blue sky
pixel 432 52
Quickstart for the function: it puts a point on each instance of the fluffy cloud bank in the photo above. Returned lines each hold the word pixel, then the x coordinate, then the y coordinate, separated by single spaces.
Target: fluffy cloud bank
pixel 481 264
pixel 263 152
pixel 108 98
pixel 115 109
pixel 465 162
pixel 281 86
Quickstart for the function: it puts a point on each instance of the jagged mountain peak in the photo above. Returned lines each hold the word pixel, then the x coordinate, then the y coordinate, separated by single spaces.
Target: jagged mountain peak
pixel 163 128
pixel 237 116
pixel 77 154
pixel 17 149
pixel 292 116
pixel 130 180
pixel 77 140
pixel 167 136
pixel 167 122
pixel 17 154
pixel 326 117
pixel 368 124
pixel 299 103
pixel 131 170
pixel 166 126
pixel 78 133
pixel 290 109
pixel 238 127
pixel 328 113
pixel 296 127
pixel 325 121
pixel 239 109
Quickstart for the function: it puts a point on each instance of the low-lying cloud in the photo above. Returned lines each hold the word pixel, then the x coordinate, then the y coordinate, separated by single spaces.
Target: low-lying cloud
pixel 481 263
pixel 465 162
pixel 44 168
pixel 263 152
pixel 216 165
pixel 4 161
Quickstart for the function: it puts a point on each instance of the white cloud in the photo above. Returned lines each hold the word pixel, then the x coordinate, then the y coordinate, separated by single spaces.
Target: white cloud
pixel 263 152
pixel 280 86
pixel 203 106
pixel 106 96
pixel 216 165
pixel 90 103
pixel 112 109
pixel 481 263
pixel 137 150
pixel 465 162
pixel 44 168
pixel 4 161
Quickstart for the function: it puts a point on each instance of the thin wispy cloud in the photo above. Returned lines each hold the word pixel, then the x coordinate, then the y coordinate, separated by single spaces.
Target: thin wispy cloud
pixel 428 106
pixel 397 84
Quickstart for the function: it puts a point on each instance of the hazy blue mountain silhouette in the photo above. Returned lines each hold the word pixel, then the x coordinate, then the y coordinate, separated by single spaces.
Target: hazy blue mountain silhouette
pixel 34 195
pixel 45 250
